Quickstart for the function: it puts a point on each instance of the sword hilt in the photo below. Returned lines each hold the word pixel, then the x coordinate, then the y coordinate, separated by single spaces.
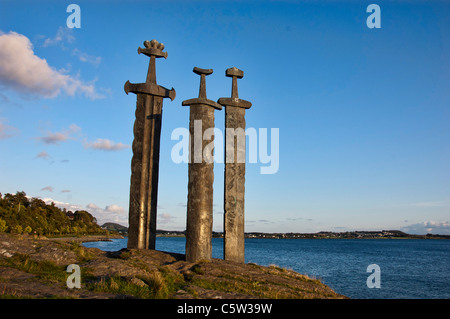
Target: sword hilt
pixel 235 74
pixel 202 91
pixel 153 49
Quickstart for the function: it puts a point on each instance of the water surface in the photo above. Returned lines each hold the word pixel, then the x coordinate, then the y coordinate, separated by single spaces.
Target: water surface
pixel 410 268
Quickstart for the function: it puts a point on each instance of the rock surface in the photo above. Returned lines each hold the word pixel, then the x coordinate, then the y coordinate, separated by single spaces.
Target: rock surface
pixel 36 268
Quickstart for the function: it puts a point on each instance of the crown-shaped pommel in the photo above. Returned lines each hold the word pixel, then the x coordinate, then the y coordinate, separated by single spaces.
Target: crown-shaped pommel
pixel 153 48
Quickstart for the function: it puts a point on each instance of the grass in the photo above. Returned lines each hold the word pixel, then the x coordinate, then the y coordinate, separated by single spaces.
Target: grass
pixel 45 270
pixel 82 254
pixel 153 286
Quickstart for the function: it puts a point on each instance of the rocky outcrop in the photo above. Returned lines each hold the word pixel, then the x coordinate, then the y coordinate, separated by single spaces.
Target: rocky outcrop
pixel 37 268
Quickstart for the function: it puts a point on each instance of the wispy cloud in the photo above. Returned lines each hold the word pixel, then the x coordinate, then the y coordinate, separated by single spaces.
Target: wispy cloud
pixel 6 131
pixel 299 219
pixel 6 101
pixel 43 155
pixel 56 138
pixel 47 188
pixel 62 36
pixel 428 227
pixel 23 71
pixel 165 218
pixel 84 57
pixel 438 203
pixel 105 145
pixel 442 203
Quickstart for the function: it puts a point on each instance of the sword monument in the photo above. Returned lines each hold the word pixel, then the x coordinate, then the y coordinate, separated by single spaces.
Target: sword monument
pixel 234 189
pixel 146 146
pixel 199 220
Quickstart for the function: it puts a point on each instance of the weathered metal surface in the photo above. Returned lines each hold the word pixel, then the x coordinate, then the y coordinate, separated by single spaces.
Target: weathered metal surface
pixel 146 147
pixel 234 189
pixel 201 175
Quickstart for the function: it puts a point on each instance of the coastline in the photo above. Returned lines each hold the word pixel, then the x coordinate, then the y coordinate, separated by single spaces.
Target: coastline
pixel 85 238
pixel 140 274
pixel 383 234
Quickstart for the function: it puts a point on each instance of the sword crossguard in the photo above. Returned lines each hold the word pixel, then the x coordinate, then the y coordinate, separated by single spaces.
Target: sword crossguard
pixel 149 88
pixel 235 101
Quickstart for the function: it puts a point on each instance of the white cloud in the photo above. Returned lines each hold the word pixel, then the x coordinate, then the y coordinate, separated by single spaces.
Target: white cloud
pixel 47 188
pixel 111 213
pixel 92 206
pixel 55 138
pixel 25 72
pixel 105 145
pixel 67 206
pixel 432 227
pixel 115 209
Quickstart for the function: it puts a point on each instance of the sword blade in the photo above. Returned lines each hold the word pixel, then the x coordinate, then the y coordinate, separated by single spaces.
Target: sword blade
pixel 234 189
pixel 153 120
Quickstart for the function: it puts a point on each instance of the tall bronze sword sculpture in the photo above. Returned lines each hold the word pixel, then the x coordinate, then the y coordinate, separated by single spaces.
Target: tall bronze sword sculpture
pixel 146 145
pixel 201 175
pixel 234 188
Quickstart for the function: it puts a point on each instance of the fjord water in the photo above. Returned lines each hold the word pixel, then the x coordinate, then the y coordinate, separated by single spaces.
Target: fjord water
pixel 409 268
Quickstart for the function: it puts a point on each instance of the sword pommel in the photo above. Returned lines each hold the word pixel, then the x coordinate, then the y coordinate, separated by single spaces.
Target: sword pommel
pixel 234 71
pixel 153 48
pixel 202 71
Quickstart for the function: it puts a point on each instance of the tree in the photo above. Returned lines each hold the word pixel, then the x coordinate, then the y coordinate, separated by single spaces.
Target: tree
pixel 3 226
pixel 19 213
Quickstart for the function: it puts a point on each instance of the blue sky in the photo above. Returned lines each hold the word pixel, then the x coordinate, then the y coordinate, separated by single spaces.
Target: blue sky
pixel 363 114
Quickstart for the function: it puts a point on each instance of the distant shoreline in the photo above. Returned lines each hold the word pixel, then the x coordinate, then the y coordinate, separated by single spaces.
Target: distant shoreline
pixel 356 234
pixel 383 234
